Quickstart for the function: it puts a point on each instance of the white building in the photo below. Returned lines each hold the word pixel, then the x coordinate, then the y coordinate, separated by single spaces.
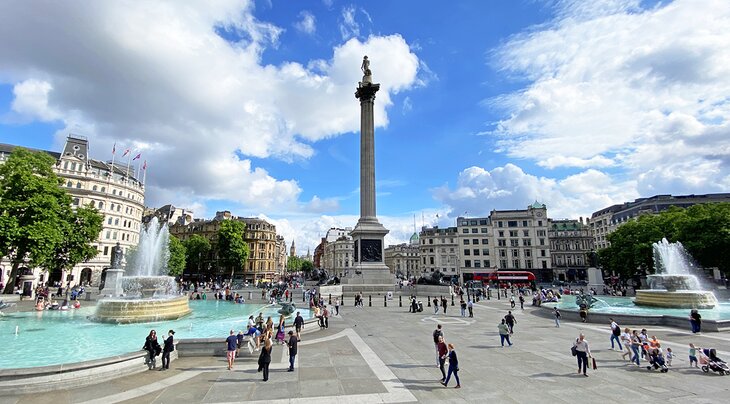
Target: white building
pixel 439 250
pixel 404 258
pixel 116 193
pixel 337 256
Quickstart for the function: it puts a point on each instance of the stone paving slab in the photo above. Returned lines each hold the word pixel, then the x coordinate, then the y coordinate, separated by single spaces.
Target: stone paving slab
pixel 387 355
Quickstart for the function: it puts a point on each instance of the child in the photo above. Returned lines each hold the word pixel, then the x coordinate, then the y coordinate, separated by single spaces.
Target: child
pixel 692 355
pixel 669 357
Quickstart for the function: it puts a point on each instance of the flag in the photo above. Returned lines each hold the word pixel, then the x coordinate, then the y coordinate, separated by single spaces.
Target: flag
pixel 144 166
pixel 114 149
pixel 126 152
pixel 137 156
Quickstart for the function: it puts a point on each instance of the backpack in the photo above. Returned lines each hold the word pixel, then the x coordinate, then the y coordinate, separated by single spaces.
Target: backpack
pixel 617 331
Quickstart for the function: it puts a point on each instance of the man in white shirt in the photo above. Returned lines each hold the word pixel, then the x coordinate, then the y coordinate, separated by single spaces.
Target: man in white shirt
pixel 615 334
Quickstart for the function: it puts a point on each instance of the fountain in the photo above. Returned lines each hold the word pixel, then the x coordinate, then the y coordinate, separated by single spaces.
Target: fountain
pixel 674 285
pixel 145 294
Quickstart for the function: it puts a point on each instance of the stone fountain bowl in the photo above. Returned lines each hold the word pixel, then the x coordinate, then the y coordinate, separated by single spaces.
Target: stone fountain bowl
pixel 148 287
pixel 675 291
pixel 129 310
pixel 673 283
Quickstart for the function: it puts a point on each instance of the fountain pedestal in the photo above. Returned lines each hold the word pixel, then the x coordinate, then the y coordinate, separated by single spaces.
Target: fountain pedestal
pixel 112 283
pixel 675 291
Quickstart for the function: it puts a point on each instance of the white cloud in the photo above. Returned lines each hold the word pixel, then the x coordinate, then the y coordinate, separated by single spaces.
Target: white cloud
pixel 198 107
pixel 31 100
pixel 307 23
pixel 349 28
pixel 615 85
pixel 478 191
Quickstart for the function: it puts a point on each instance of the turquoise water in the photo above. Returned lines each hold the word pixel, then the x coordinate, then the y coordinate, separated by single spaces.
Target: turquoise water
pixel 55 337
pixel 625 305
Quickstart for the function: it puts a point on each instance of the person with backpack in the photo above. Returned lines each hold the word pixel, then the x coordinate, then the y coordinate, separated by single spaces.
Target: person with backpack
pixel 437 333
pixel 615 334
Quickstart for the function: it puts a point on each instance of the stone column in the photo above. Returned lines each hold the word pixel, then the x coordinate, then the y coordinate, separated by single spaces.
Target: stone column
pixel 366 93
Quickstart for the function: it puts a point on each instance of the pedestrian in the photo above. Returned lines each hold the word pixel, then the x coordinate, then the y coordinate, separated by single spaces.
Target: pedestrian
pixel 522 301
pixel 153 349
pixel 435 305
pixel 695 321
pixel 299 325
pixel 511 321
pixel 692 355
pixel 231 343
pixel 615 334
pixel 292 350
pixel 443 354
pixel 239 342
pixel 470 306
pixel 337 306
pixel 626 338
pixel 583 312
pixel 583 352
pixel 326 317
pixel 265 359
pixel 669 356
pixel 437 333
pixel 444 303
pixel 635 346
pixel 503 333
pixel 169 347
pixel 463 308
pixel 512 301
pixel 453 367
pixel 556 313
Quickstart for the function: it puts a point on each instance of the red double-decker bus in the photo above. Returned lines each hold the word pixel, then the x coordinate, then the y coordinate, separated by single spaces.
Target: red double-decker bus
pixel 512 277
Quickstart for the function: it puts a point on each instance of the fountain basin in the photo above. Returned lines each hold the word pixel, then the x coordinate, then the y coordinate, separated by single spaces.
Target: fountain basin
pixel 678 299
pixel 126 311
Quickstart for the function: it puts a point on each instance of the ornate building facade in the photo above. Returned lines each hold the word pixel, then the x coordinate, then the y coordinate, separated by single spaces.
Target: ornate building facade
pixel 113 190
pixel 439 250
pixel 571 242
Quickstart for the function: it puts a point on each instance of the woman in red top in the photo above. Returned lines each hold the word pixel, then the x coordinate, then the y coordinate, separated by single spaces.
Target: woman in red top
pixel 443 354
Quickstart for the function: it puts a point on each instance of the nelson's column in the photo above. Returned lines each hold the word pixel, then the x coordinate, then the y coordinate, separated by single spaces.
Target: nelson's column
pixel 368 234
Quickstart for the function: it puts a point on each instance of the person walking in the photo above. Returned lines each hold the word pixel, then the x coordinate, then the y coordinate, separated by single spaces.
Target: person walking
pixel 503 333
pixel 556 313
pixel 299 325
pixel 453 368
pixel 337 306
pixel 462 304
pixel 169 347
pixel 437 333
pixel 443 354
pixel 265 359
pixel 695 321
pixel 583 352
pixel 153 349
pixel 635 346
pixel 626 340
pixel 231 346
pixel 444 303
pixel 326 317
pixel 292 350
pixel 435 305
pixel 470 306
pixel 511 321
pixel 615 334
pixel 512 301
pixel 522 301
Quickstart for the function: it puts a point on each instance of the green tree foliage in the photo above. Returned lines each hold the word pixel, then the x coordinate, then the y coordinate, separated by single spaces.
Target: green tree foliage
pixel 197 249
pixel 38 227
pixel 704 230
pixel 176 263
pixel 293 264
pixel 232 250
pixel 307 266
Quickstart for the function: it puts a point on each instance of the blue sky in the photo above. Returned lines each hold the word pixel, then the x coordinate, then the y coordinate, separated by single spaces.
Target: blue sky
pixel 249 106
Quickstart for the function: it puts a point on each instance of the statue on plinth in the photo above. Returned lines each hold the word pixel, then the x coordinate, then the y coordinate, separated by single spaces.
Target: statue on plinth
pixel 117 256
pixel 365 67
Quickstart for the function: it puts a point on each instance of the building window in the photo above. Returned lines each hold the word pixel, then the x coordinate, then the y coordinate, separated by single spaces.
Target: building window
pixel 514 243
pixel 467 252
pixel 466 241
pixel 475 252
pixel 542 253
pixel 542 241
pixel 527 253
pixel 502 243
pixel 526 233
pixel 485 241
pixel 485 230
pixel 106 250
pixel 477 264
pixel 475 230
pixel 486 264
pixel 524 223
pixel 485 251
pixel 467 263
pixel 512 223
pixel 529 264
pixel 513 233
pixel 465 231
pixel 515 253
pixel 516 264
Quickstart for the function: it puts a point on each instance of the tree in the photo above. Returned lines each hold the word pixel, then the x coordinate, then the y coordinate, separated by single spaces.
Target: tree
pixel 293 264
pixel 197 249
pixel 36 218
pixel 307 266
pixel 81 228
pixel 176 263
pixel 232 250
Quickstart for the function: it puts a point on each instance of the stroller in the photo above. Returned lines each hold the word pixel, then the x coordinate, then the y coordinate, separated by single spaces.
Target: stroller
pixel 656 361
pixel 710 361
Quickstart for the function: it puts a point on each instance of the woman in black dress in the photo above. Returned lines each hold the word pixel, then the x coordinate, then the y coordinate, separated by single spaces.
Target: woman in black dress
pixel 265 359
pixel 153 349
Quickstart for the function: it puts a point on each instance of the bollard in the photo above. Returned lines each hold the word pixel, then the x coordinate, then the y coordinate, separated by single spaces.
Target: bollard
pixel 429 301
pixel 452 300
pixel 385 301
pixel 303 299
pixel 489 294
pixel 400 301
pixel 370 300
pixel 330 299
pixel 498 294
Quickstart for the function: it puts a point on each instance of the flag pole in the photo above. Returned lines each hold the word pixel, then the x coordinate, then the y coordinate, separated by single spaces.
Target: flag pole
pixel 114 155
pixel 144 174
pixel 129 162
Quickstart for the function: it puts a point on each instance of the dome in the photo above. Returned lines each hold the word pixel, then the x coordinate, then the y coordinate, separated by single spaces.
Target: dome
pixel 414 239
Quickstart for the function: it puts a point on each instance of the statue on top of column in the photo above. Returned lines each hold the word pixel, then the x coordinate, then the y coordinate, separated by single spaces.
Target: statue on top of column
pixel 366 70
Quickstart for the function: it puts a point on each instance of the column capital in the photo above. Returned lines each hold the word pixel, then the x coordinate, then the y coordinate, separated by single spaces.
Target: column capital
pixel 366 91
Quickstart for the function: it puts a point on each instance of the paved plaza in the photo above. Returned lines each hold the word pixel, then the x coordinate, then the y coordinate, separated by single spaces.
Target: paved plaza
pixel 378 354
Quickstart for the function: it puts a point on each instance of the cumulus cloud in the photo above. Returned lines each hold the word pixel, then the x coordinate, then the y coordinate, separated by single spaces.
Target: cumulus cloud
pixel 159 77
pixel 611 86
pixel 307 23
pixel 478 191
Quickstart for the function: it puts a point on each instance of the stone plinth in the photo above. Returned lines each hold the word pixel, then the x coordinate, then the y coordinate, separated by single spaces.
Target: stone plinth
pixel 112 283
